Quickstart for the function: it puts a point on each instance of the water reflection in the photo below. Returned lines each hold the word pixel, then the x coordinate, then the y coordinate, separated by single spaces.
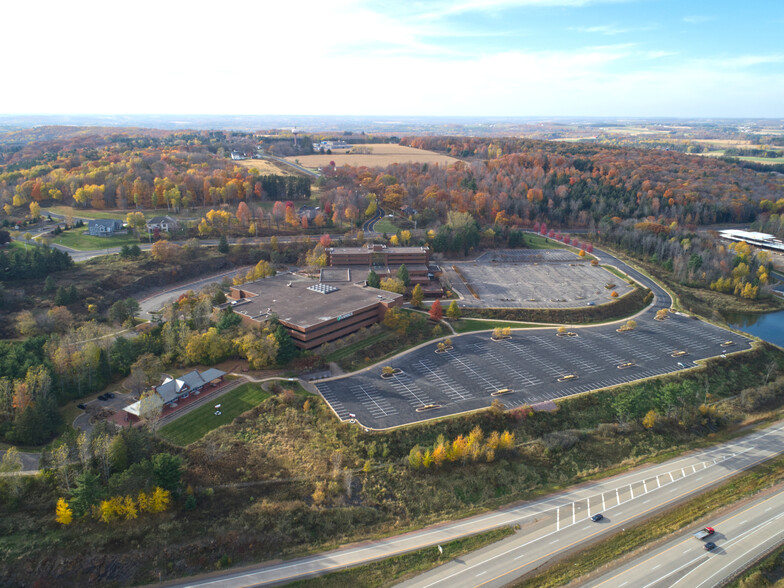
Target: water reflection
pixel 769 327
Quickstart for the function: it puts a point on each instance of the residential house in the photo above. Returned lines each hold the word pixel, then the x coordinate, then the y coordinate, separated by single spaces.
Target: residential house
pixel 163 223
pixel 310 212
pixel 104 227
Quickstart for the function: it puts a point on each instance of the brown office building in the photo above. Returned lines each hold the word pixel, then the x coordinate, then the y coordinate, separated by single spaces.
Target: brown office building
pixel 313 312
pixel 383 260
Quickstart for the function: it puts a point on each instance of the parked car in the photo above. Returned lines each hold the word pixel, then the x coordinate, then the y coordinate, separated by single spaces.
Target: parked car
pixel 110 394
pixel 103 397
pixel 597 517
pixel 82 406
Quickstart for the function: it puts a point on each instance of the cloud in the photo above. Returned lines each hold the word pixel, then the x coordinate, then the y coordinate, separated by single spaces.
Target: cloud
pixel 602 29
pixel 698 18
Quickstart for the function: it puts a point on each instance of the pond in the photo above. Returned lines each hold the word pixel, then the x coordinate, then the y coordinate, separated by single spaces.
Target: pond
pixel 769 327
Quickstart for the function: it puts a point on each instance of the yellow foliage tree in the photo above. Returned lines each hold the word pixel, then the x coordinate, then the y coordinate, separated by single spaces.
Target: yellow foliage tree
pixel 128 507
pixel 160 499
pixel 63 513
pixel 650 419
pixel 110 510
pixel 506 441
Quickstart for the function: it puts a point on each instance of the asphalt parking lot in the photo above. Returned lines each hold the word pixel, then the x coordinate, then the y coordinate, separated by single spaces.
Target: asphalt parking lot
pixel 529 364
pixel 540 279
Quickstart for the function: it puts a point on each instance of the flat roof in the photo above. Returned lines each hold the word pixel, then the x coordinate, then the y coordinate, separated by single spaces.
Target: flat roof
pixel 738 234
pixel 288 296
pixel 366 250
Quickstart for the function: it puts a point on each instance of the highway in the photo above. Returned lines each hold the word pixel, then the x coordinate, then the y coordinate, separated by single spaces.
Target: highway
pixel 539 542
pixel 741 537
pixel 549 527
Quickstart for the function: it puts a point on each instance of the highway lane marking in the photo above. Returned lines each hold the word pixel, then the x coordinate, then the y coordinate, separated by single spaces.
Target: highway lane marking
pixel 481 573
pixel 330 556
pixel 656 567
pixel 775 537
pixel 603 506
pixel 616 525
pixel 554 542
pixel 685 540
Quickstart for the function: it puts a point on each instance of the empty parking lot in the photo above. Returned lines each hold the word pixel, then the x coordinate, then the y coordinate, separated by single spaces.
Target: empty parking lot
pixel 532 279
pixel 529 364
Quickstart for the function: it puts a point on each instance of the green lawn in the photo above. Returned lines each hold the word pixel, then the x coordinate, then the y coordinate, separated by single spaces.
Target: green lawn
pixel 539 242
pixel 21 245
pixel 84 213
pixel 197 423
pixel 385 226
pixel 350 350
pixel 79 239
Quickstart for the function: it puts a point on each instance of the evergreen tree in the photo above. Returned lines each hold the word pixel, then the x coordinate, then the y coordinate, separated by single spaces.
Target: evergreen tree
pixel 86 493
pixel 287 350
pixel 49 285
pixel 167 471
pixel 402 274
pixel 373 280
pixel 223 244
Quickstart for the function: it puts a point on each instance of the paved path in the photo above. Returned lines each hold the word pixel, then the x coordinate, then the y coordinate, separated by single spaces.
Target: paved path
pixel 550 526
pixel 30 460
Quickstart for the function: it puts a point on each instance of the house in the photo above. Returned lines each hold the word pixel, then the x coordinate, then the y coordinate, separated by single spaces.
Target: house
pixel 104 227
pixel 163 223
pixel 237 156
pixel 408 211
pixel 310 212
pixel 174 389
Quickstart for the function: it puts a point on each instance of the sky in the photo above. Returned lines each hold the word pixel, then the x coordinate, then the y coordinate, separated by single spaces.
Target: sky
pixel 516 58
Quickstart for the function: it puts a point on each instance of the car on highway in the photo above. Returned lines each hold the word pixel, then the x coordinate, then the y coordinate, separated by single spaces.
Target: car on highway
pixel 590 304
pixel 597 517
pixel 710 546
pixel 706 532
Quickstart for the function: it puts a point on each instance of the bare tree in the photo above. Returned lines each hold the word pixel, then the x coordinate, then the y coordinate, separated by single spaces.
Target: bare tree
pixel 85 450
pixel 62 462
pixel 101 445
pixel 150 410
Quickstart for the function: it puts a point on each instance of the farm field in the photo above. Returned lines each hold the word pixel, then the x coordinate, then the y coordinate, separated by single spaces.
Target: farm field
pixel 265 167
pixel 382 155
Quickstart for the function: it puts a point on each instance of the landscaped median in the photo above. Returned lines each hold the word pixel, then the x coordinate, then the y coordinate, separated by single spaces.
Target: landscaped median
pixel 742 486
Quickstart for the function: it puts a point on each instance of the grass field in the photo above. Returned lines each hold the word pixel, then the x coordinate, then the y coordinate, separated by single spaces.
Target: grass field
pixel 539 242
pixel 265 167
pixel 200 421
pixel 469 325
pixel 382 156
pixel 385 226
pixel 91 214
pixel 79 239
pixel 394 569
